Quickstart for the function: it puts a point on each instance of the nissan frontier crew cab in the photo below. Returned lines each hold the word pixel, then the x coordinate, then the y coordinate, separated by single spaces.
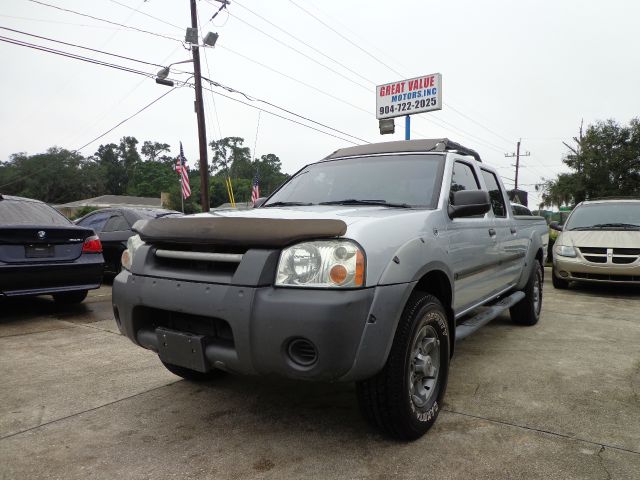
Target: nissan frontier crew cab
pixel 364 267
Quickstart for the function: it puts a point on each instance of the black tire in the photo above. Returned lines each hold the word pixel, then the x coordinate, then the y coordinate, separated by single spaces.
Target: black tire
pixel 559 283
pixel 70 298
pixel 527 310
pixel 193 375
pixel 390 400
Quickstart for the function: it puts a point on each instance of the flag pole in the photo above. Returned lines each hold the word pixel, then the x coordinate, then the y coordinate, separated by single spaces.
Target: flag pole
pixel 181 195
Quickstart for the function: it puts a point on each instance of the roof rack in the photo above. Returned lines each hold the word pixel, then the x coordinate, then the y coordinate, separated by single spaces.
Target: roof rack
pixel 423 145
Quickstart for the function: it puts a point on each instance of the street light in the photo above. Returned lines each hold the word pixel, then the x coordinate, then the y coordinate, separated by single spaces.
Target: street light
pixel 161 76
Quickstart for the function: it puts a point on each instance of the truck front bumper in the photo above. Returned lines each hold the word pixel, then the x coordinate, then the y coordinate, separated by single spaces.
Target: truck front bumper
pixel 299 333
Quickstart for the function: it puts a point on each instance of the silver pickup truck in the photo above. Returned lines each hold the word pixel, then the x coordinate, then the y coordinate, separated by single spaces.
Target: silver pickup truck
pixel 364 267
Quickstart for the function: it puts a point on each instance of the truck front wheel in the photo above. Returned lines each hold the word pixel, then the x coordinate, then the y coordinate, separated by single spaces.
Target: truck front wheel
pixel 404 399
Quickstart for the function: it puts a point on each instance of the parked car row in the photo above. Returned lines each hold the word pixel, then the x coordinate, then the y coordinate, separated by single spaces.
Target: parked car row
pixel 42 252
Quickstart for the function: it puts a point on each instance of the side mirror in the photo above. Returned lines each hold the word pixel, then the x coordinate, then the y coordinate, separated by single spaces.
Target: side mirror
pixel 259 202
pixel 555 226
pixel 467 203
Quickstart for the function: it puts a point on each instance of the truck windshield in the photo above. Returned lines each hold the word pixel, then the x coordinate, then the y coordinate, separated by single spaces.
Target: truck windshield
pixel 388 180
pixel 605 216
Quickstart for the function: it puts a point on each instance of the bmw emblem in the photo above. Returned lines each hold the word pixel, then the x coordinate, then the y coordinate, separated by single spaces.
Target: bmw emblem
pixel 41 234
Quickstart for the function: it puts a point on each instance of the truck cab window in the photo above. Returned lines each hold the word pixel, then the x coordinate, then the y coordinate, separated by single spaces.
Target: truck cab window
pixel 495 194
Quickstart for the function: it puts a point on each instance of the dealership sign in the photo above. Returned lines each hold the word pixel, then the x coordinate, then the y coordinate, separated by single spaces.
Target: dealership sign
pixel 406 97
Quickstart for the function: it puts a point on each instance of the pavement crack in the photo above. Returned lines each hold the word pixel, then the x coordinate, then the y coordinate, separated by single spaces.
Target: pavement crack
pixel 38 331
pixel 601 461
pixel 541 430
pixel 85 325
pixel 26 430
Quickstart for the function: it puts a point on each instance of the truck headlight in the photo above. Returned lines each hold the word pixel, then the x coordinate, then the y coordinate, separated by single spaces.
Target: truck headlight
pixel 564 250
pixel 321 264
pixel 133 244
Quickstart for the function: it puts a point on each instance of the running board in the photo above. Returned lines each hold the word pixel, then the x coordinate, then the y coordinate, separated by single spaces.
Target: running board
pixel 469 326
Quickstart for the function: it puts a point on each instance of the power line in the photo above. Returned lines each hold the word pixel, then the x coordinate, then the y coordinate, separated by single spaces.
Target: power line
pixel 80 46
pixel 303 42
pixel 377 59
pixel 58 23
pixel 255 99
pixel 301 53
pixel 147 15
pixel 126 119
pixel 435 121
pixel 74 56
pixel 345 38
pixel 281 116
pixel 368 112
pixel 97 138
pixel 118 103
pixel 438 122
pixel 105 20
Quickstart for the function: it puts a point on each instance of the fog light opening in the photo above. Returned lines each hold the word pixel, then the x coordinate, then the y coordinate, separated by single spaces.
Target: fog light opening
pixel 302 352
pixel 563 274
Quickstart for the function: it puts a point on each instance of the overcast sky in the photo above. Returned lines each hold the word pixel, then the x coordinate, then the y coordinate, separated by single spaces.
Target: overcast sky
pixel 510 70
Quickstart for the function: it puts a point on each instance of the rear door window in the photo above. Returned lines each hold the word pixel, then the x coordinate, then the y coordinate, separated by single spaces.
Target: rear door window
pixel 495 194
pixel 117 223
pixel 95 221
pixel 22 212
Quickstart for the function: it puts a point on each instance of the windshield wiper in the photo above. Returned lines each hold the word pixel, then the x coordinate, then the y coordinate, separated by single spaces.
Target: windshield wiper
pixel 617 225
pixel 288 204
pixel 353 201
pixel 602 226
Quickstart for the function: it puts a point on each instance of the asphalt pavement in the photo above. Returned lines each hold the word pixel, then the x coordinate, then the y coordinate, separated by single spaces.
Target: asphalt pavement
pixel 557 400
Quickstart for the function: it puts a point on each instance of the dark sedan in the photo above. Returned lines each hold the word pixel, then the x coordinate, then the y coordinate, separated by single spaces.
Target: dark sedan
pixel 114 227
pixel 43 252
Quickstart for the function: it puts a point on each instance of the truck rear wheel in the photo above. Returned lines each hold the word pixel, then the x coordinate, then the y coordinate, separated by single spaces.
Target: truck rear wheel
pixel 527 310
pixel 193 375
pixel 404 399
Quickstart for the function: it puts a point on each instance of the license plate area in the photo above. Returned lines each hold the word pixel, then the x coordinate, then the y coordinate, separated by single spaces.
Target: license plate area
pixel 39 251
pixel 182 349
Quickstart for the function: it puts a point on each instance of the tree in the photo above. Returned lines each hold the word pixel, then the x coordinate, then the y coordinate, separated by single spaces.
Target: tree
pixel 269 174
pixel 115 177
pixel 230 156
pixel 605 161
pixel 154 151
pixel 56 176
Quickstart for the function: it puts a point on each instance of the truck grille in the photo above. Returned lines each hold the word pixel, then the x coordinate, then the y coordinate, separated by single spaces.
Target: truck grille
pixel 183 261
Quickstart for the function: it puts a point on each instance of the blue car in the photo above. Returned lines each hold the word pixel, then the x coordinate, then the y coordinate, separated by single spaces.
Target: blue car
pixel 42 252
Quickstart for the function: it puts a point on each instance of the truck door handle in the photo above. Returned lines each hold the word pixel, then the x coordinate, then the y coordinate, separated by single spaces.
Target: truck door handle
pixel 514 229
pixel 492 232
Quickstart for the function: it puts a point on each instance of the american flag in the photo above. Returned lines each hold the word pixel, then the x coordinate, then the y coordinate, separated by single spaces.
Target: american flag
pixel 181 168
pixel 255 189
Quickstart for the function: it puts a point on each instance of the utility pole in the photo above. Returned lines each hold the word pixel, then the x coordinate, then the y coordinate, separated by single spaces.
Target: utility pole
pixel 517 155
pixel 202 133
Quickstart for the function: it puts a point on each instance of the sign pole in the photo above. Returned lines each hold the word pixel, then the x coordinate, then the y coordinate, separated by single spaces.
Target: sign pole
pixel 407 127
